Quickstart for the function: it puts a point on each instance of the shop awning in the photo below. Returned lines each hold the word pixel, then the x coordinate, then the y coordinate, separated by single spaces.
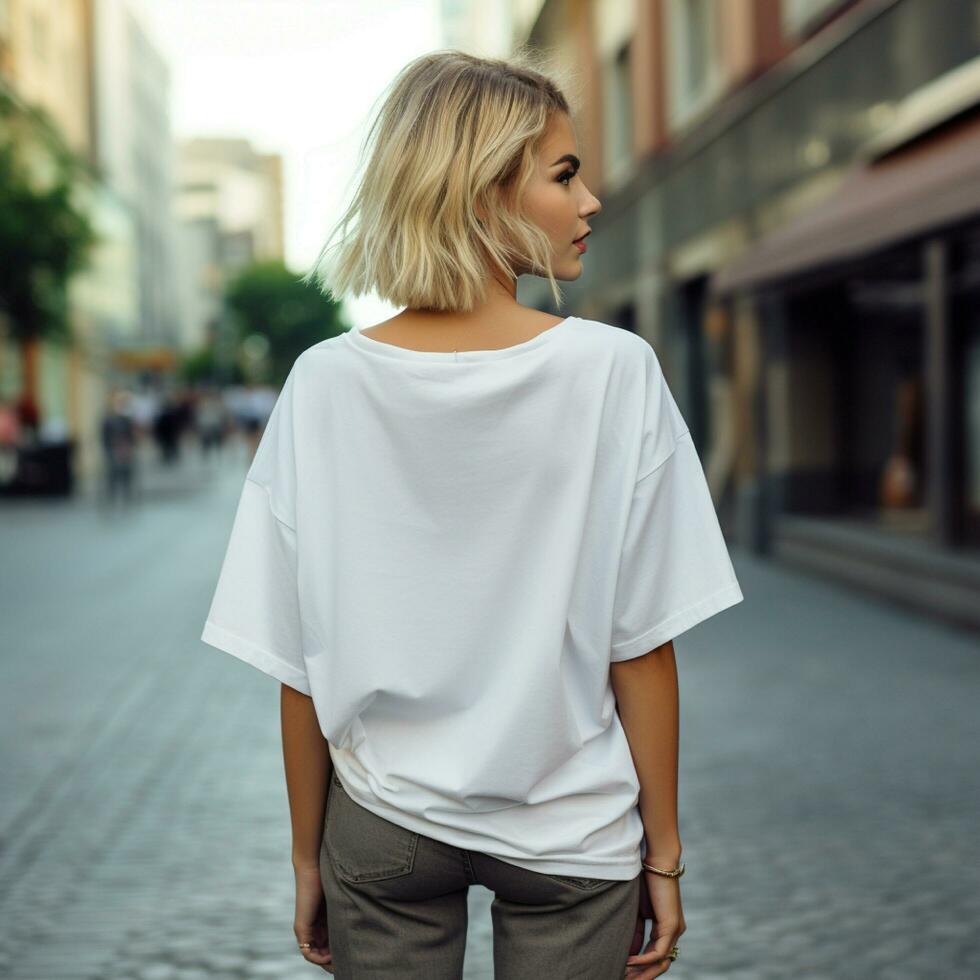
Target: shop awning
pixel 144 359
pixel 927 184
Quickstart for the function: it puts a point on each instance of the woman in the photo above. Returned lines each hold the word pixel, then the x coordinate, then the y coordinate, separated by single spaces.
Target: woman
pixel 464 546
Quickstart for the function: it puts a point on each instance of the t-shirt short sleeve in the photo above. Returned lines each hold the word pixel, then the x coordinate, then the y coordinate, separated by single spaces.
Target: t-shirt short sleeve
pixel 254 614
pixel 675 570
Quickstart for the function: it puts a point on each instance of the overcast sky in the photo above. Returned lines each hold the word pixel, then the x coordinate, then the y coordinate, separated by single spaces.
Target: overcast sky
pixel 298 78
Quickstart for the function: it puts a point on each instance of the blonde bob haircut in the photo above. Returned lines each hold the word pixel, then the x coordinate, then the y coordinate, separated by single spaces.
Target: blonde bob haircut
pixel 455 139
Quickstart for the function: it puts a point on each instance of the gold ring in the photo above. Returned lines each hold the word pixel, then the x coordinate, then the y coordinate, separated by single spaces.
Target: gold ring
pixel 674 953
pixel 306 945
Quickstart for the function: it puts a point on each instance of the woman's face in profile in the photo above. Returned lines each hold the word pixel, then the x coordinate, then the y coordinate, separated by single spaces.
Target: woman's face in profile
pixel 557 200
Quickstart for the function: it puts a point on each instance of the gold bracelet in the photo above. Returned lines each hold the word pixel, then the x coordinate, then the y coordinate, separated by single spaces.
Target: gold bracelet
pixel 676 873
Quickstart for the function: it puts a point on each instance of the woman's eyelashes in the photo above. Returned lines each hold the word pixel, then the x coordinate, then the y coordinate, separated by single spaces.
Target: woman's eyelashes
pixel 569 174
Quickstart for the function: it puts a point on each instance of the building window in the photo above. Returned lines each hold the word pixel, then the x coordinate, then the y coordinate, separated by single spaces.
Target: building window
pixel 618 116
pixel 694 64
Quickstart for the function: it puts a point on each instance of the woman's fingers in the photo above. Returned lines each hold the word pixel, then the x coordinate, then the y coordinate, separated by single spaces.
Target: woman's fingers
pixel 310 922
pixel 644 960
pixel 662 946
pixel 656 949
pixel 648 972
pixel 653 961
pixel 318 956
pixel 318 953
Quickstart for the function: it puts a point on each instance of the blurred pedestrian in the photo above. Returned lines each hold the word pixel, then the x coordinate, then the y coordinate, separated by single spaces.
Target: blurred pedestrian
pixel 167 429
pixel 144 406
pixel 256 407
pixel 210 422
pixel 9 441
pixel 29 416
pixel 119 440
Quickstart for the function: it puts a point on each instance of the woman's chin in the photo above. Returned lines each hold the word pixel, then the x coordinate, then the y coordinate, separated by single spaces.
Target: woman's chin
pixel 565 272
pixel 571 272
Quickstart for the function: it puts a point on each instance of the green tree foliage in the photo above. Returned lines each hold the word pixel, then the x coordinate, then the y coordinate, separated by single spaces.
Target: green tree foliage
pixel 200 367
pixel 44 236
pixel 266 298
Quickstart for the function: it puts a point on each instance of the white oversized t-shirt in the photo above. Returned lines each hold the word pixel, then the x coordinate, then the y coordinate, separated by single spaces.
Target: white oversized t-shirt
pixel 446 550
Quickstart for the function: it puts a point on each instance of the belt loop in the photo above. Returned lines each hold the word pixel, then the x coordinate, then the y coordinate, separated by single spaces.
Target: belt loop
pixel 470 873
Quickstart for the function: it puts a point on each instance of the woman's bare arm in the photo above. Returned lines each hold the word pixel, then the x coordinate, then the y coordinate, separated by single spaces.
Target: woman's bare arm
pixel 308 769
pixel 647 702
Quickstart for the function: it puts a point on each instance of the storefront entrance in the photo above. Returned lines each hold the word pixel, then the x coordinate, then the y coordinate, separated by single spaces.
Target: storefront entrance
pixel 965 319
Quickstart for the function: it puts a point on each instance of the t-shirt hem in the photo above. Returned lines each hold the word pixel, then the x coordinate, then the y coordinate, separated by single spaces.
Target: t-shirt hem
pixel 266 661
pixel 614 870
pixel 611 872
pixel 677 623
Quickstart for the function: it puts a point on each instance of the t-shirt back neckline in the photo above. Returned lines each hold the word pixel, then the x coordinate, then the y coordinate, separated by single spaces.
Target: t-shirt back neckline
pixel 362 341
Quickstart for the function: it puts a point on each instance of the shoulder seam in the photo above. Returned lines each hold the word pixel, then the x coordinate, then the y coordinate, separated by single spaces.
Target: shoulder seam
pixel 673 449
pixel 272 509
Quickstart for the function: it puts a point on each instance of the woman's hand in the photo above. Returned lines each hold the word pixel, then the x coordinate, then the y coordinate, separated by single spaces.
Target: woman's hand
pixel 663 905
pixel 310 923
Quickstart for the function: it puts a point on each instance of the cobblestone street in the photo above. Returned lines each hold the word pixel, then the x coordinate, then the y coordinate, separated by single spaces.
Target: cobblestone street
pixel 829 791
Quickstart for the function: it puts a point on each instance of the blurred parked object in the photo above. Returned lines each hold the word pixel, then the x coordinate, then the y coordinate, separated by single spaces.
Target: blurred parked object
pixel 35 456
pixel 42 469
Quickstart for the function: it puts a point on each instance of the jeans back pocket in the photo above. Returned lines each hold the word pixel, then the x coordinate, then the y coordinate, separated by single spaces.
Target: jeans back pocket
pixel 362 845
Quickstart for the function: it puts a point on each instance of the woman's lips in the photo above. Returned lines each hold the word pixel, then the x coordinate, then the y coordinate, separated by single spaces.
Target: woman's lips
pixel 579 243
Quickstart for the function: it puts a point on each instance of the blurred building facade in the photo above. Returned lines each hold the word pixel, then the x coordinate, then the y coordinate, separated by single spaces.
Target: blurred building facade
pixel 86 75
pixel 134 150
pixel 230 202
pixel 484 29
pixel 790 217
pixel 47 75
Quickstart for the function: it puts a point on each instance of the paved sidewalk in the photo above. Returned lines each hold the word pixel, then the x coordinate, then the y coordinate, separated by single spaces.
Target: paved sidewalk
pixel 829 794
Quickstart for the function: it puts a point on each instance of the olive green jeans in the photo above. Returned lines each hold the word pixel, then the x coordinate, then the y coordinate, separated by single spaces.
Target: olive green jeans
pixel 397 907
